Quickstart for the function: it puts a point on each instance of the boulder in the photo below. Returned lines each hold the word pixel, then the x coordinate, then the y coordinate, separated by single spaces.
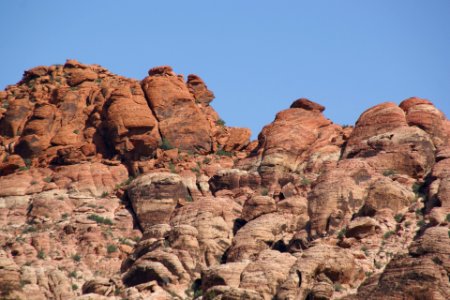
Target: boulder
pixel 181 122
pixel 154 197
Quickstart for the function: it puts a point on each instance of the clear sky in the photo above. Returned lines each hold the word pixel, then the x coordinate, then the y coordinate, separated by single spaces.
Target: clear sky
pixel 257 56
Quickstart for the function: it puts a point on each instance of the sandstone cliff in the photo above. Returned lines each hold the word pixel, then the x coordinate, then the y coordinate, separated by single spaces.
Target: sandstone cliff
pixel 113 188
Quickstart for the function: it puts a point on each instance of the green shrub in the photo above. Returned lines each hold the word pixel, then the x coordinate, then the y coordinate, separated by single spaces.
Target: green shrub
pixel 305 181
pixel 74 287
pixel 378 265
pixel 388 173
pixel 222 152
pixel 220 122
pixel 447 218
pixel 76 257
pixel 189 198
pixel 73 274
pixel 100 219
pixel 264 191
pixel 398 218
pixel 125 241
pixel 27 162
pixel 128 181
pixel 104 194
pixel 41 254
pixel 338 287
pixel 196 170
pixel 29 229
pixel 111 248
pixel 165 144
pixel 365 250
pixel 341 233
pixel 388 234
pixel 198 293
pixel 76 131
pixel 48 179
pixel 417 189
pixel 172 168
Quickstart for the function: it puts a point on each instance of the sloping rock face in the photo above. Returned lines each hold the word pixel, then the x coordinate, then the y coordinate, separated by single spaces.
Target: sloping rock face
pixel 111 188
pixel 181 121
pixel 73 113
pixel 286 145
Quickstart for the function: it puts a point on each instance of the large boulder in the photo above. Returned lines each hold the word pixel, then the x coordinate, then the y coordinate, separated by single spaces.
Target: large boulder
pixel 181 122
pixel 131 125
pixel 154 197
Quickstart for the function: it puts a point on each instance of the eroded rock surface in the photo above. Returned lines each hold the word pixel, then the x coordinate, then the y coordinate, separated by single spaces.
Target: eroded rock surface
pixel 113 188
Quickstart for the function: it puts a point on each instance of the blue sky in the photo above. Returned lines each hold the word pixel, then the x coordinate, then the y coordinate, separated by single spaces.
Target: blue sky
pixel 257 56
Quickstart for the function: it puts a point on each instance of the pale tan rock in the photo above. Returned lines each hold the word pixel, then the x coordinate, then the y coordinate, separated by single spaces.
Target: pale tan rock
pixel 226 292
pixel 337 194
pixel 317 269
pixel 154 197
pixel 267 273
pixel 102 286
pixel 256 206
pixel 96 179
pixel 362 227
pixel 386 193
pixel 164 267
pixel 228 274
pixel 259 234
pixel 213 218
pixel 232 179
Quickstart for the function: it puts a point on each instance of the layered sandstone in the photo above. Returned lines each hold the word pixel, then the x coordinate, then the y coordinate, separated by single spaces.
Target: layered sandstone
pixel 113 188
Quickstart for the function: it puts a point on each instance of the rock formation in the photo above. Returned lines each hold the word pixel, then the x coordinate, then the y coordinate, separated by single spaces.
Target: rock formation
pixel 113 188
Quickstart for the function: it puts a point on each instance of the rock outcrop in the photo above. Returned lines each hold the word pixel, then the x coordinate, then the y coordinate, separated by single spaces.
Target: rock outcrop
pixel 113 188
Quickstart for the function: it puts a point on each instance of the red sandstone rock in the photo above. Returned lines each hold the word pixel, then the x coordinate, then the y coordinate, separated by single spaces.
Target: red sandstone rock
pixel 310 210
pixel 307 104
pixel 199 89
pixel 181 123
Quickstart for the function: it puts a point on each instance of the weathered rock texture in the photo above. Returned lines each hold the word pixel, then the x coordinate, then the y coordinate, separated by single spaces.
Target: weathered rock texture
pixel 111 188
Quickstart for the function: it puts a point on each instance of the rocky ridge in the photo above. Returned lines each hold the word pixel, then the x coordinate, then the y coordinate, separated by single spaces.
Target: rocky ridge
pixel 113 188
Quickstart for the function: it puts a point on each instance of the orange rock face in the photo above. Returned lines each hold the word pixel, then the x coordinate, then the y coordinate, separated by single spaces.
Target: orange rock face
pixel 112 188
pixel 181 121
